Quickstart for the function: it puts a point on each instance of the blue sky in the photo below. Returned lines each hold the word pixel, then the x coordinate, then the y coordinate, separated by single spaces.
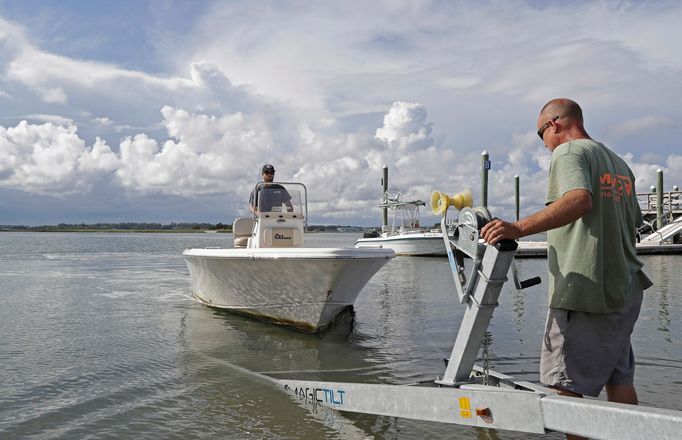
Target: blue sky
pixel 165 111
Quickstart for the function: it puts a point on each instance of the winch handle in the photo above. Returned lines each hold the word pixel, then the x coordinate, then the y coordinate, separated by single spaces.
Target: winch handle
pixel 506 245
pixel 530 282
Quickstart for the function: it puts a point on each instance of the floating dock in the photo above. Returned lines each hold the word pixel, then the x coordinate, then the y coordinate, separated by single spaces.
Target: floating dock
pixel 538 249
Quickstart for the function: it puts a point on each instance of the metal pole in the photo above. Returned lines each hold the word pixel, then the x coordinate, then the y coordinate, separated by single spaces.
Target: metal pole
pixel 659 199
pixel 485 166
pixel 384 183
pixel 677 203
pixel 517 193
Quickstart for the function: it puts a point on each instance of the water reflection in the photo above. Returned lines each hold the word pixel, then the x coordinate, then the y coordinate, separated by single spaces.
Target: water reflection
pixel 231 353
pixel 664 316
pixel 665 277
pixel 518 309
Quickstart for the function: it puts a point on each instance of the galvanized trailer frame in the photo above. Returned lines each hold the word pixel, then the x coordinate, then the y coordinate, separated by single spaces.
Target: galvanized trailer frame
pixel 469 395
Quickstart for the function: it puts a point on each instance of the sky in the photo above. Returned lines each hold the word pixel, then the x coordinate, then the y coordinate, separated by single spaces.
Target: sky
pixel 165 111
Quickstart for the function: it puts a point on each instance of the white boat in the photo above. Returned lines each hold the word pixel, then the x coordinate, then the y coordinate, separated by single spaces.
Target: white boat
pixel 269 275
pixel 406 242
pixel 404 235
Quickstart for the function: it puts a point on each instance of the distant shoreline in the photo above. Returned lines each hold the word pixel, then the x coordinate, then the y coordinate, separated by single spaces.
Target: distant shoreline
pixel 185 228
pixel 136 231
pixel 121 227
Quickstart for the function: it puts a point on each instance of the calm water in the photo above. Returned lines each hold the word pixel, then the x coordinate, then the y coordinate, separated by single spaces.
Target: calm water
pixel 99 338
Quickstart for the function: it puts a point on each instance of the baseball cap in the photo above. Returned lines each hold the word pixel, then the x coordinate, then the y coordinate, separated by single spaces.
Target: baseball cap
pixel 268 168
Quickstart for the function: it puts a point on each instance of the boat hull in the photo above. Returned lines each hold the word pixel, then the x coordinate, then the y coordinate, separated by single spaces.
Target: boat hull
pixel 425 244
pixel 301 288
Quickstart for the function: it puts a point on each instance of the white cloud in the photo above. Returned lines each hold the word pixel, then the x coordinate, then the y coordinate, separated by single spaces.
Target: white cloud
pixel 98 159
pixel 208 75
pixel 405 127
pixel 103 120
pixel 43 71
pixel 84 88
pixel 48 159
pixel 55 119
pixel 387 51
pixel 640 125
pixel 53 95
pixel 207 154
pixel 646 173
pixel 214 154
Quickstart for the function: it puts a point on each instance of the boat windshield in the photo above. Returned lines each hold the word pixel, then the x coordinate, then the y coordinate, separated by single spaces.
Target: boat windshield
pixel 280 197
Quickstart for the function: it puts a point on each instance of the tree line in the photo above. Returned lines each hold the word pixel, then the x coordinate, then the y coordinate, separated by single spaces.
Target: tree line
pixel 127 226
pixel 153 227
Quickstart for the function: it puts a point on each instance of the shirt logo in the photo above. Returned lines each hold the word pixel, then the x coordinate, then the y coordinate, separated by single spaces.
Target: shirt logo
pixel 614 186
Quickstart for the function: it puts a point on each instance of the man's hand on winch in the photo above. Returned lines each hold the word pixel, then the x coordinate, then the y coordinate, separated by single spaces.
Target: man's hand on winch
pixel 497 230
pixel 567 209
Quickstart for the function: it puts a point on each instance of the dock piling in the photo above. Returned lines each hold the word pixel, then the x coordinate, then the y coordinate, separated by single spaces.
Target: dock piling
pixel 659 199
pixel 485 166
pixel 517 196
pixel 384 183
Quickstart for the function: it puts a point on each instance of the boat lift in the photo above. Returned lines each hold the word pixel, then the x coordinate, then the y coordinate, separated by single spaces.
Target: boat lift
pixel 468 394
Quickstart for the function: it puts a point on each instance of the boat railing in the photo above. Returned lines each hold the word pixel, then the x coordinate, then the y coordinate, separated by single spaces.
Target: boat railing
pixel 405 215
pixel 649 226
pixel 671 201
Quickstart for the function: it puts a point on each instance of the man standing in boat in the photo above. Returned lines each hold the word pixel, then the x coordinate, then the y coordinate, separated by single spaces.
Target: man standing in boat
pixel 595 278
pixel 276 195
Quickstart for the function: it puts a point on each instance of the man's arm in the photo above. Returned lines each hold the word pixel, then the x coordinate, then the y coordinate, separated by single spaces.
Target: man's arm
pixel 567 209
pixel 252 202
pixel 287 201
pixel 290 207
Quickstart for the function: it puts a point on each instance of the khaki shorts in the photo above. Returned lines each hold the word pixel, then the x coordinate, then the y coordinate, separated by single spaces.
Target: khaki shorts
pixel 582 352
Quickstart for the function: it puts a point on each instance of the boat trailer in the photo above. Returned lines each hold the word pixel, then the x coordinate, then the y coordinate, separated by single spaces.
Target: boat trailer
pixel 468 394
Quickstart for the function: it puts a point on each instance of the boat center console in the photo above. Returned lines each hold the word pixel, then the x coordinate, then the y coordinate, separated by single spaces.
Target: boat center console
pixel 281 213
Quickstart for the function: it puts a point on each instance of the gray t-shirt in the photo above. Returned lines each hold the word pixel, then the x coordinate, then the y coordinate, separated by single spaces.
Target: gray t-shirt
pixel 268 196
pixel 593 261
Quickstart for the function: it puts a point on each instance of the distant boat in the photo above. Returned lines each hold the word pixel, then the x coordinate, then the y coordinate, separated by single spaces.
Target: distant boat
pixel 404 235
pixel 348 229
pixel 269 275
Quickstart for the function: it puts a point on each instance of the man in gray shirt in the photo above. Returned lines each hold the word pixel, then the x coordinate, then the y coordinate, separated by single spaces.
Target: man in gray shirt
pixel 595 278
pixel 275 196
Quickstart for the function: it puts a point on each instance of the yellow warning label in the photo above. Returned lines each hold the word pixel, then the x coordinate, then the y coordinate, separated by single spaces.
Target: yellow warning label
pixel 465 407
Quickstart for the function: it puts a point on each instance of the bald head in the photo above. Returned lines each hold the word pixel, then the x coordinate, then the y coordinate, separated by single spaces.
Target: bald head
pixel 563 119
pixel 563 107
